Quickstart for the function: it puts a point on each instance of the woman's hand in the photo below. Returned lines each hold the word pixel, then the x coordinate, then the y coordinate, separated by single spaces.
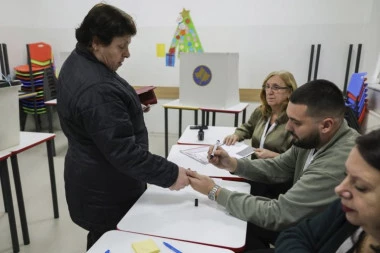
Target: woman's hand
pixel 231 139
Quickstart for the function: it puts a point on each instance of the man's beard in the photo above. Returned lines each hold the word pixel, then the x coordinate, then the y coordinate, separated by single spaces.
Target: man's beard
pixel 310 142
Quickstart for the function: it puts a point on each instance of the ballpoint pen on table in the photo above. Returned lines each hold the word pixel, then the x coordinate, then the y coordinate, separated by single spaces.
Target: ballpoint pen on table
pixel 171 247
pixel 213 150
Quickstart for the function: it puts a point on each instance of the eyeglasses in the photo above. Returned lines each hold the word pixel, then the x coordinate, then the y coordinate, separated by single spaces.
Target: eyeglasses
pixel 275 88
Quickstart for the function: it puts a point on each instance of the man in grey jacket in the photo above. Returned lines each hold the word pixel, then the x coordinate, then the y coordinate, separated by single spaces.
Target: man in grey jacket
pixel 322 141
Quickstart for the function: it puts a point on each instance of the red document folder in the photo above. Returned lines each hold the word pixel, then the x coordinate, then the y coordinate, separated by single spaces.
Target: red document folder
pixel 147 95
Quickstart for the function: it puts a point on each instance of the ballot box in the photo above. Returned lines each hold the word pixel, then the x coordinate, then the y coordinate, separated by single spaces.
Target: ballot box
pixel 209 79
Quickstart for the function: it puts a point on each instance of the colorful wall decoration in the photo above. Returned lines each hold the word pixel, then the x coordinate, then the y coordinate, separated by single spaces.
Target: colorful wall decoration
pixel 185 38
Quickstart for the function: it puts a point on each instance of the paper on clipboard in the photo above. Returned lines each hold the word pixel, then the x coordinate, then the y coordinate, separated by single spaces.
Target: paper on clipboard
pixel 238 150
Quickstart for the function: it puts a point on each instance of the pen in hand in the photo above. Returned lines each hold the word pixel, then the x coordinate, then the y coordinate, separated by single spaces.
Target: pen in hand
pixel 171 247
pixel 214 149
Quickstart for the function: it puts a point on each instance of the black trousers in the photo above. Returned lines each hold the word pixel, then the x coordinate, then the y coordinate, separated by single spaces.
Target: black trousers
pixel 92 237
pixel 258 237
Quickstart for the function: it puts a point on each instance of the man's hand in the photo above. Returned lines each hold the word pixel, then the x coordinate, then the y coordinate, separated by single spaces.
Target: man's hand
pixel 200 183
pixel 265 153
pixel 182 180
pixel 231 139
pixel 222 160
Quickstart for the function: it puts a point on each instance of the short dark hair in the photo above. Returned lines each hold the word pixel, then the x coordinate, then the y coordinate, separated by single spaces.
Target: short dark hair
pixel 104 22
pixel 369 148
pixel 322 98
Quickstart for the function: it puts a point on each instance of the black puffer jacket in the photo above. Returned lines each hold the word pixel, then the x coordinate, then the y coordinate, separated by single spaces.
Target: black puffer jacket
pixel 107 163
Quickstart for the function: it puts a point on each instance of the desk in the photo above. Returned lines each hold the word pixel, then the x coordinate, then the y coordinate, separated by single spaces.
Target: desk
pixel 210 170
pixel 29 140
pixel 175 104
pixel 7 195
pixel 241 107
pixel 121 242
pixel 211 135
pixel 23 95
pixel 172 214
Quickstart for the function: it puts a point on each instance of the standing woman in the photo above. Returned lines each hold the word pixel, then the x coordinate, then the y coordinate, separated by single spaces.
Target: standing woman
pixel 266 126
pixel 108 163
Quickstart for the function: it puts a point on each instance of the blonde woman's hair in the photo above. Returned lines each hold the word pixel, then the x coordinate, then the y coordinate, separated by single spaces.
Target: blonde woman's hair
pixel 290 82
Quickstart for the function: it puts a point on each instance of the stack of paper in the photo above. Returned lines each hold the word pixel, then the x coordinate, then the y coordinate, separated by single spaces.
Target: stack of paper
pixel 238 150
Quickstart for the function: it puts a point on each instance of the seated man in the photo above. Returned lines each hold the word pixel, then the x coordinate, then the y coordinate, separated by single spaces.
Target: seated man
pixel 322 141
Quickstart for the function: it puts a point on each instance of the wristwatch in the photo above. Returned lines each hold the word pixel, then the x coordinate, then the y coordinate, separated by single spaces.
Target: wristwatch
pixel 211 194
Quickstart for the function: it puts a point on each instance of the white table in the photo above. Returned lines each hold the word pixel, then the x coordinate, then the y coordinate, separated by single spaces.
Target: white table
pixel 8 201
pixel 176 104
pixel 210 170
pixel 29 140
pixel 211 135
pixel 121 242
pixel 170 214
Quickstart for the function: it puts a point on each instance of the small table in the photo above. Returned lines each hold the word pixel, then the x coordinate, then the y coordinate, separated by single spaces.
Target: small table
pixel 211 135
pixel 175 104
pixel 29 140
pixel 172 214
pixel 7 195
pixel 210 170
pixel 236 109
pixel 121 242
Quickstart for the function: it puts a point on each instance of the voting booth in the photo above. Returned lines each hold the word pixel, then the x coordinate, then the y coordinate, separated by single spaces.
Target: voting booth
pixel 9 115
pixel 209 79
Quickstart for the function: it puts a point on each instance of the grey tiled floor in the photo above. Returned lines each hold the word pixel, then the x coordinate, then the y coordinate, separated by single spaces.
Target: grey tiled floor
pixel 47 234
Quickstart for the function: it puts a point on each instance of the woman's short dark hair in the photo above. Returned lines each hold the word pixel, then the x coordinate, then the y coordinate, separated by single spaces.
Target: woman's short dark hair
pixel 104 22
pixel 369 148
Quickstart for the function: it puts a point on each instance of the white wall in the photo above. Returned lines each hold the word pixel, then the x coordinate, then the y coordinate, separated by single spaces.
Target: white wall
pixel 268 34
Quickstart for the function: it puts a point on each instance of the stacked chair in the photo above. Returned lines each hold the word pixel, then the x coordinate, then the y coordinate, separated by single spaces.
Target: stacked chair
pixel 356 99
pixel 40 57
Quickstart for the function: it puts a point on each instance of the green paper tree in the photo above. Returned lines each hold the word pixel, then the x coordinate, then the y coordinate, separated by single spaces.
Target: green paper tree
pixel 185 36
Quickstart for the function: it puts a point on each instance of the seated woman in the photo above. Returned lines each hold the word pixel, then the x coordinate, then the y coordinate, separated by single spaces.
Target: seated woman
pixel 266 126
pixel 351 224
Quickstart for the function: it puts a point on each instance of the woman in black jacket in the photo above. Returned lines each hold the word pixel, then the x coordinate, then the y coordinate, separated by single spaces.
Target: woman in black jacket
pixel 108 163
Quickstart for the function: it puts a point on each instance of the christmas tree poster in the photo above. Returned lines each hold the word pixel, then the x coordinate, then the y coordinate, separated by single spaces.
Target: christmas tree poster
pixel 185 38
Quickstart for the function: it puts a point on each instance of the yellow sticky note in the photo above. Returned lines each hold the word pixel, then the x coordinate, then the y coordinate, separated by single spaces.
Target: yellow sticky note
pixel 146 246
pixel 160 50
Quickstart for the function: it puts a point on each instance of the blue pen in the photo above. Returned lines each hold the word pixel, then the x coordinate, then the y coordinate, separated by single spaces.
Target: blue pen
pixel 171 247
pixel 107 251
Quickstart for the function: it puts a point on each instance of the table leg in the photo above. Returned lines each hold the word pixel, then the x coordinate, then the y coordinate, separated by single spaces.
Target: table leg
pixel 203 118
pixel 3 189
pixel 50 119
pixel 180 123
pixel 213 118
pixel 195 117
pixel 49 146
pixel 244 114
pixel 20 199
pixel 8 202
pixel 166 133
pixel 236 119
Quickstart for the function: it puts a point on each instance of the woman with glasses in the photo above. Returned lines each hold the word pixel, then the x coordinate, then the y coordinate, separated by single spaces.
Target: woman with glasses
pixel 352 223
pixel 266 126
